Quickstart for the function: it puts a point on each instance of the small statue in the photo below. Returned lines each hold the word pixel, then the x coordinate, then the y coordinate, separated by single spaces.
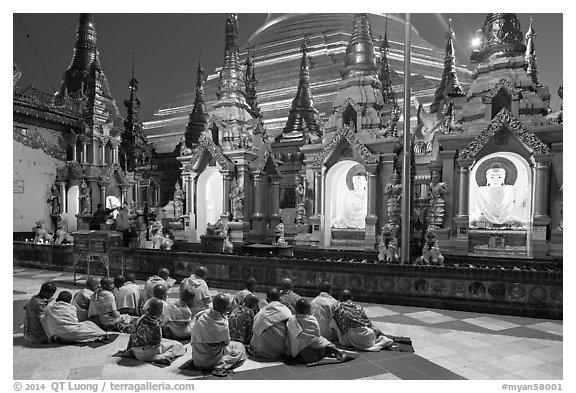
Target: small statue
pixel 388 247
pixel 178 201
pixel 237 199
pixel 228 247
pixel 436 207
pixel 41 234
pixel 54 200
pixel 301 214
pixel 394 193
pixel 300 191
pixel 430 252
pixel 167 242
pixel 279 234
pixel 157 234
pixel 184 150
pixel 85 198
pixel 62 235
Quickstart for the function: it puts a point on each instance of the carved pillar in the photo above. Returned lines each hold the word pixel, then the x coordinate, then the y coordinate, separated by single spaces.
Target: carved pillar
pixel 541 189
pixel 103 143
pixel 94 152
pixel 318 191
pixel 275 202
pixel 447 157
pixel 103 193
pixel 226 184
pixel 75 152
pixel 63 198
pixel 84 151
pixel 124 193
pixel 386 172
pixel 461 221
pixel 258 218
pixel 371 217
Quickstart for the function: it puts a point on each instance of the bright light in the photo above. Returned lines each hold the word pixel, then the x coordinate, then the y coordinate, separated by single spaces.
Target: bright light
pixel 476 42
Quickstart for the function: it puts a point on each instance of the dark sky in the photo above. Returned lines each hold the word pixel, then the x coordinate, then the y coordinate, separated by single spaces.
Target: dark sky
pixel 167 48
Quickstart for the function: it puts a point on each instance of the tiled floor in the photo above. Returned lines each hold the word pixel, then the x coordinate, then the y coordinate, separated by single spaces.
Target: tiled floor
pixel 449 345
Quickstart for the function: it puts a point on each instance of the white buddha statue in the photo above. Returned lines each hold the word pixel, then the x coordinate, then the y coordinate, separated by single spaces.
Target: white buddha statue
pixel 496 201
pixel 355 205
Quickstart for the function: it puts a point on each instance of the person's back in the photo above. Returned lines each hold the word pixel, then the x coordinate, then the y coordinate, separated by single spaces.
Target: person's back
pixel 322 307
pixel 241 295
pixel 162 277
pixel 160 292
pixel 287 296
pixel 241 320
pixel 197 284
pixel 129 298
pixel 33 329
pixel 103 311
pixel 269 331
pixel 81 299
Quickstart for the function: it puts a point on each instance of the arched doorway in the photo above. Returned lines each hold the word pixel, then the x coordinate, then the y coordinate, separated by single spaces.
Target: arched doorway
pixel 209 199
pixel 73 207
pixel 346 203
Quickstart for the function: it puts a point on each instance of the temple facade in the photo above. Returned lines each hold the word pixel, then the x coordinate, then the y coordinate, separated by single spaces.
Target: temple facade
pixel 486 158
pixel 76 137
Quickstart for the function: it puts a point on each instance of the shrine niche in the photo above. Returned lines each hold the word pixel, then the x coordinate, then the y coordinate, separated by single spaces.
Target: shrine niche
pixel 210 195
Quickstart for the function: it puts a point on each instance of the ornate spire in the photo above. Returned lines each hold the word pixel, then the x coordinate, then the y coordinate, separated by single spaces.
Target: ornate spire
pixel 360 59
pixel 133 103
pixel 251 82
pixel 530 56
pixel 85 54
pixel 500 36
pixel 449 85
pixel 199 116
pixel 232 86
pixel 303 116
pixel 384 71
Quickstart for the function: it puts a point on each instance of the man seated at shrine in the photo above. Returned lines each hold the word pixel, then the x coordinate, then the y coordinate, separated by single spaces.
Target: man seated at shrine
pixel 81 299
pixel 197 284
pixel 129 298
pixel 163 277
pixel 60 322
pixel 102 309
pixel 305 343
pixel 179 316
pixel 210 339
pixel 33 330
pixel 322 308
pixel 287 296
pixel 161 293
pixel 146 342
pixel 241 319
pixel 99 217
pixel 269 331
pixel 354 328
pixel 119 280
pixel 250 287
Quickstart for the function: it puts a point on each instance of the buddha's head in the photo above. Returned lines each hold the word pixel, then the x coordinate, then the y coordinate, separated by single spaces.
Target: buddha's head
pixel 359 181
pixel 495 175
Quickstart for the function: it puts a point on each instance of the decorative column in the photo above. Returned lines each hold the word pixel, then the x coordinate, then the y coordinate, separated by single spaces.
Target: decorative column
pixel 227 185
pixel 64 203
pixel 103 192
pixel 461 221
pixel 316 238
pixel 447 157
pixel 318 188
pixel 371 217
pixel 75 152
pixel 540 217
pixel 275 202
pixel 103 143
pixel 387 169
pixel 258 218
pixel 124 192
pixel 84 151
pixel 94 152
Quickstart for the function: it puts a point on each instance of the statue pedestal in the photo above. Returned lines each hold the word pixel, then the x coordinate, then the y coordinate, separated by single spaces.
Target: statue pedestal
pixel 302 237
pixel 556 249
pixel 462 235
pixel 259 232
pixel 316 223
pixel 444 241
pixel 539 245
pixel 84 221
pixel 212 243
pixel 239 231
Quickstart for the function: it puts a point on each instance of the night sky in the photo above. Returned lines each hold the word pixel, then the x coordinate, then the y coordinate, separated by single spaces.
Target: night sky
pixel 167 48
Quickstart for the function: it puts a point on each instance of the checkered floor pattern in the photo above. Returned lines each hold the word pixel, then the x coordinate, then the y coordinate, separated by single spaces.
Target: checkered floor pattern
pixel 449 345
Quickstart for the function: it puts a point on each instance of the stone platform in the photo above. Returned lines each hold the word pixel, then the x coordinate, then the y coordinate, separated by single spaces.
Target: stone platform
pixel 529 291
pixel 449 345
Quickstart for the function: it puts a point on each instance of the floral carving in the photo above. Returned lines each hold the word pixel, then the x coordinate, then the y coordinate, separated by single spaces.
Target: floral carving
pixel 509 87
pixel 505 118
pixel 207 144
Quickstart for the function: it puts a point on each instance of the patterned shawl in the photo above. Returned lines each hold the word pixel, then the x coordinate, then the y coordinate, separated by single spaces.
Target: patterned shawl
pixel 349 315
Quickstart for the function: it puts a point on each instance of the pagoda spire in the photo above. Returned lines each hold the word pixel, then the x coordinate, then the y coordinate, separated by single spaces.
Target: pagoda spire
pixel 302 116
pixel 360 59
pixel 384 71
pixel 251 82
pixel 199 116
pixel 133 103
pixel 530 56
pixel 449 86
pixel 500 36
pixel 232 86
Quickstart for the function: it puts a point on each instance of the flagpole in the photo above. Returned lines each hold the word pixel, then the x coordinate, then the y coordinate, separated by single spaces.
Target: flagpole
pixel 406 151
